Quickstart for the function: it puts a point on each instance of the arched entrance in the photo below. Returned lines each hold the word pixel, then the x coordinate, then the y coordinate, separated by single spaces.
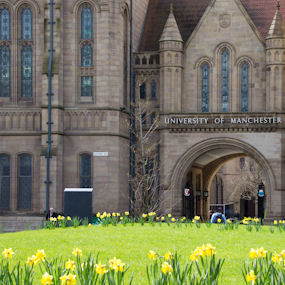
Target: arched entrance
pixel 203 161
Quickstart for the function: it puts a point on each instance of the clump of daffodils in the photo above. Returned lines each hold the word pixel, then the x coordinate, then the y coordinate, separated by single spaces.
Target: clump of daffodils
pixel 116 265
pixel 204 250
pixel 46 279
pixel 257 253
pixel 166 268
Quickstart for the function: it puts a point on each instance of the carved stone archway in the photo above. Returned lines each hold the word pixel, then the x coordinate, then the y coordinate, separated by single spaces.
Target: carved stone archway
pixel 238 148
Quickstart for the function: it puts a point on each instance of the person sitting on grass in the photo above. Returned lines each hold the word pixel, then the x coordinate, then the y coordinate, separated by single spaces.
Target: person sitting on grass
pixel 216 216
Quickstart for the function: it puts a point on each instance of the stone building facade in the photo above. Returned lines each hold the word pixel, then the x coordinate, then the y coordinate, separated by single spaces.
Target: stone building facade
pixel 203 66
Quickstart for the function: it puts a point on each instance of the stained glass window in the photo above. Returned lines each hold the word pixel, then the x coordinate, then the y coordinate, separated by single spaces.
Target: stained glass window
pixel 86 24
pixel 142 91
pixel 85 171
pixel 27 72
pixel 25 182
pixel 27 24
pixel 4 181
pixel 205 87
pixel 153 89
pixel 87 86
pixel 86 56
pixel 225 81
pixel 5 71
pixel 244 87
pixel 5 28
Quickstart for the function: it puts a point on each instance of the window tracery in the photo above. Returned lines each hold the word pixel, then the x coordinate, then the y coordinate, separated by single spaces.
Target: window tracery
pixel 205 87
pixel 225 72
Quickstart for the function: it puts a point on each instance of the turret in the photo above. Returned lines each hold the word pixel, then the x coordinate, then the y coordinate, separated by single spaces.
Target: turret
pixel 171 54
pixel 275 64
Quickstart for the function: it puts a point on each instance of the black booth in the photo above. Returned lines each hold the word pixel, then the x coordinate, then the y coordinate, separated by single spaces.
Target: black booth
pixel 78 202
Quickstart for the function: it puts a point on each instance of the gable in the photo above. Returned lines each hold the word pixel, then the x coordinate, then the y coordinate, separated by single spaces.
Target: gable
pixel 189 12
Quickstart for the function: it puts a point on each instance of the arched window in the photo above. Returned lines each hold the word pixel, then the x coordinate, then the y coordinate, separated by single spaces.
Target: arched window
pixel 25 183
pixel 26 72
pixel 5 71
pixel 244 86
pixel 205 87
pixel 86 55
pixel 85 171
pixel 86 24
pixel 27 24
pixel 153 89
pixel 225 80
pixel 4 181
pixel 142 91
pixel 5 26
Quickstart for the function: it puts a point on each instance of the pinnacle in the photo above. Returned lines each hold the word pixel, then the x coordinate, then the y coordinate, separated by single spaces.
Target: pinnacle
pixel 171 31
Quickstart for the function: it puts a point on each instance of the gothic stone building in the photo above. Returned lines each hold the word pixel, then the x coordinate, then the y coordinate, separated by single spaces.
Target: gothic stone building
pixel 213 72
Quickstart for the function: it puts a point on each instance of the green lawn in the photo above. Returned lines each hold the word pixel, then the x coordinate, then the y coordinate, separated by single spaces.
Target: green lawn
pixel 132 244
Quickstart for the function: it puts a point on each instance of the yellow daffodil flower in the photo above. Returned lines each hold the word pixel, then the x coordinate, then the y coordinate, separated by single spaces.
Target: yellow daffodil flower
pixel 275 222
pixel 277 258
pixel 283 254
pixel 118 214
pixel 114 214
pixel 8 253
pixel 169 215
pixel 168 256
pixel 32 260
pixel 197 218
pixel 144 215
pixel 40 254
pixel 173 220
pixel 70 265
pixel 69 279
pixel 116 264
pixel 68 218
pixel 229 221
pixel 127 213
pixel 46 279
pixel 219 221
pixel 98 215
pixel 101 269
pixel 165 268
pixel 162 219
pixel 251 277
pixel 77 252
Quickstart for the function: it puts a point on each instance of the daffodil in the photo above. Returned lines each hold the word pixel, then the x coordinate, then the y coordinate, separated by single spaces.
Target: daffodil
pixel 70 265
pixel 89 225
pixel 168 256
pixel 46 279
pixel 251 277
pixel 77 252
pixel 127 213
pixel 98 215
pixel 229 221
pixel 8 253
pixel 169 215
pixel 101 269
pixel 275 222
pixel 165 268
pixel 68 218
pixel 40 254
pixel 283 254
pixel 116 264
pixel 277 258
pixel 162 219
pixel 118 214
pixel 69 279
pixel 32 260
pixel 197 218
pixel 173 220
pixel 252 254
pixel 219 221
pixel 144 215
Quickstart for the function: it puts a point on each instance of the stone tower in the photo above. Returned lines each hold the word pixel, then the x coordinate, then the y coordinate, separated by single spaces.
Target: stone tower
pixel 275 61
pixel 171 54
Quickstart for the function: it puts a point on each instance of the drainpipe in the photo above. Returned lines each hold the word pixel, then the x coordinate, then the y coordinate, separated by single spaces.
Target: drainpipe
pixel 132 116
pixel 49 122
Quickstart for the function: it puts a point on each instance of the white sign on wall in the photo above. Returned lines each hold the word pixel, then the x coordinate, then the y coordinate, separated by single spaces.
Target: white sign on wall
pixel 100 153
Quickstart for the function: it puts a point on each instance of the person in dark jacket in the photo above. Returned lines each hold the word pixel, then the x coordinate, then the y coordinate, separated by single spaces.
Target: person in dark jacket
pixel 51 214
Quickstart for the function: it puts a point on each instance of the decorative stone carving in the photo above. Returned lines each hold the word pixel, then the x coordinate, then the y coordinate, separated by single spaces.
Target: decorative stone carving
pixel 225 20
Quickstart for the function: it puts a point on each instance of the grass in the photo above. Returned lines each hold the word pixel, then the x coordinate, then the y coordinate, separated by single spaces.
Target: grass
pixel 132 244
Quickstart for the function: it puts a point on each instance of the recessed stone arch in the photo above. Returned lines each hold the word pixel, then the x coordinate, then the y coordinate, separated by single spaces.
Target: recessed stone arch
pixel 239 148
